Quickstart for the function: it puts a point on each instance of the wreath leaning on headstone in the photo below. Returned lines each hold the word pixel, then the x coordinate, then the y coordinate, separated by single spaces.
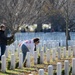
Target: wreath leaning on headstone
pixel 10 41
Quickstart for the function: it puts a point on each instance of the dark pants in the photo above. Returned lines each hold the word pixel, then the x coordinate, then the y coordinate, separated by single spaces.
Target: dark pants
pixel 3 48
pixel 24 51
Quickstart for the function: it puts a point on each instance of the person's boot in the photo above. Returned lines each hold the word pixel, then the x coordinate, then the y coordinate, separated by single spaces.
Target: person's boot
pixel 25 63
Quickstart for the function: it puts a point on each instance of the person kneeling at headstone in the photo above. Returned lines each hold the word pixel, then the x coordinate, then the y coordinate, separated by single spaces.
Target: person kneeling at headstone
pixel 3 39
pixel 28 46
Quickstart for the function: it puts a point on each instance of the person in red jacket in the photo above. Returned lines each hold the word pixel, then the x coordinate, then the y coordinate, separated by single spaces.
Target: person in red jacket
pixel 28 46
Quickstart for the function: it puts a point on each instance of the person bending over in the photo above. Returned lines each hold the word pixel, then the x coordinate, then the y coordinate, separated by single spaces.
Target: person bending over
pixel 28 46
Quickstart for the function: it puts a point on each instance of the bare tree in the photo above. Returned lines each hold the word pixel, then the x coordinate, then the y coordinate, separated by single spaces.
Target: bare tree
pixel 66 8
pixel 68 12
pixel 17 12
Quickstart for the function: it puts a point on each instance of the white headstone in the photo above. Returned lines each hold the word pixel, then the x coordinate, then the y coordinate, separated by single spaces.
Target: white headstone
pixel 73 66
pixel 44 48
pixel 6 52
pixel 48 55
pixel 3 66
pixel 50 70
pixel 40 47
pixel 74 51
pixel 12 61
pixel 20 60
pixel 41 72
pixel 18 49
pixel 64 52
pixel 12 49
pixel 66 67
pixel 69 51
pixel 59 53
pixel 53 54
pixel 28 60
pixel 59 68
pixel 48 45
pixel 35 57
pixel 41 56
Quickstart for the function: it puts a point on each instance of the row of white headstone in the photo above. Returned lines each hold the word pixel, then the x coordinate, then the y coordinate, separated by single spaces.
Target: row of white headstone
pixel 28 64
pixel 3 62
pixel 54 52
pixel 59 68
pixel 42 54
pixel 51 36
pixel 40 47
pixel 35 57
pixel 48 54
pixel 48 44
pixel 41 71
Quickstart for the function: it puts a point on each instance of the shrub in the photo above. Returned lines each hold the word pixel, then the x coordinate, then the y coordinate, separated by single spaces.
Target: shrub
pixel 17 65
pixel 38 60
pixel 0 65
pixel 70 71
pixel 9 64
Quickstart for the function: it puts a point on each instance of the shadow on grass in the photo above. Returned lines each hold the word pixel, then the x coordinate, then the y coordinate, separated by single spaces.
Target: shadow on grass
pixel 7 73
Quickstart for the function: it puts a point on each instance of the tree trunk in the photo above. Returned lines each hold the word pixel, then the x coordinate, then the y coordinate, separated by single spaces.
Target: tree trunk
pixel 39 27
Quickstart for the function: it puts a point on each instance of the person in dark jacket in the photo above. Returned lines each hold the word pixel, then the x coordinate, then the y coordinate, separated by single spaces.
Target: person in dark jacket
pixel 3 39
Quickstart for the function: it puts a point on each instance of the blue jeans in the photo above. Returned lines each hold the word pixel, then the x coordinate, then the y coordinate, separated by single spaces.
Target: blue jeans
pixel 3 48
pixel 24 51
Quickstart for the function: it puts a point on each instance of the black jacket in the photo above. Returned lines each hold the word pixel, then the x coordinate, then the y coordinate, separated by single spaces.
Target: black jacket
pixel 4 38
